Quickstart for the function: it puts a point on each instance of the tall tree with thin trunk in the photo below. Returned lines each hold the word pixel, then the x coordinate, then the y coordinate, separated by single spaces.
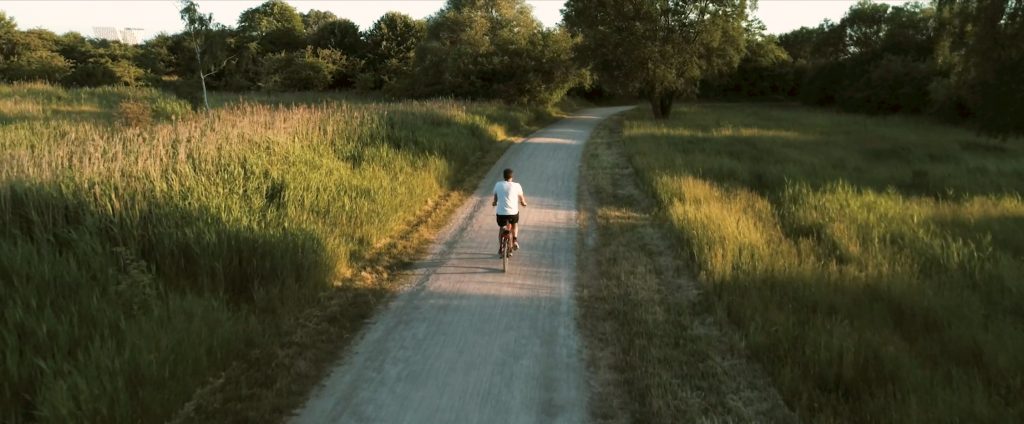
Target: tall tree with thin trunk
pixel 197 27
pixel 659 49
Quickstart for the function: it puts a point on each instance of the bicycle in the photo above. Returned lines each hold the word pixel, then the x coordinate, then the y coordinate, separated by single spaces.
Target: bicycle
pixel 505 246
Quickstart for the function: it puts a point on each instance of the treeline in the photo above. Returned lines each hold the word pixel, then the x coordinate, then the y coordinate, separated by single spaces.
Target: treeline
pixel 960 60
pixel 481 49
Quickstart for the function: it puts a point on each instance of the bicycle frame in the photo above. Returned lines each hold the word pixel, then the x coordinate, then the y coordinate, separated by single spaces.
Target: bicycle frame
pixel 505 246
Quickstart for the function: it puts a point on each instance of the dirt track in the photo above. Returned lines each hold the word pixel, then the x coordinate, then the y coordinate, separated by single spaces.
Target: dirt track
pixel 467 343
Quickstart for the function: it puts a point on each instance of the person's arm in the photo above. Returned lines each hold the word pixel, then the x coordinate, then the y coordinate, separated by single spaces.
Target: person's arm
pixel 522 199
pixel 495 201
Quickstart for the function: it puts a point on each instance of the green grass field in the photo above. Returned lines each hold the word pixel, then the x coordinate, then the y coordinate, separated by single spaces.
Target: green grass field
pixel 144 248
pixel 872 265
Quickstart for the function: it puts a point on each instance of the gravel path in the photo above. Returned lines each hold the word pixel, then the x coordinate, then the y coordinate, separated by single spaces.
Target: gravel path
pixel 466 343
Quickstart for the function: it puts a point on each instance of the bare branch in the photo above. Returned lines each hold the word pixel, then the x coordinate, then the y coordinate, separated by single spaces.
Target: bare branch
pixel 219 68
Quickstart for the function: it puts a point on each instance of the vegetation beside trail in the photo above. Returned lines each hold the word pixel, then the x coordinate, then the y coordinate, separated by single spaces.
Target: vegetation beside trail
pixel 657 355
pixel 871 265
pixel 142 256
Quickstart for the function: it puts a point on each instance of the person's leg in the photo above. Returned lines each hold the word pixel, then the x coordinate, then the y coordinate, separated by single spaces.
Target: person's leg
pixel 499 233
pixel 502 221
pixel 515 235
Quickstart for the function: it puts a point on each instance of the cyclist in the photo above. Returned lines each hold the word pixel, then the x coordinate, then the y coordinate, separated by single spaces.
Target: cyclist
pixel 508 196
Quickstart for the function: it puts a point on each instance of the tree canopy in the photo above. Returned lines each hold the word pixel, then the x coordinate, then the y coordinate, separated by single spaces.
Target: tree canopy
pixel 339 34
pixel 391 46
pixel 492 49
pixel 314 19
pixel 958 60
pixel 656 48
pixel 275 26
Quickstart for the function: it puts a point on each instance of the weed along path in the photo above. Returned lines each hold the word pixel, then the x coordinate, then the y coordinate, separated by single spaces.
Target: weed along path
pixel 467 343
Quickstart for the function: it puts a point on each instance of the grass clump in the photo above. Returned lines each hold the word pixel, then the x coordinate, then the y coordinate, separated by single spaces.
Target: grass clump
pixel 872 265
pixel 136 263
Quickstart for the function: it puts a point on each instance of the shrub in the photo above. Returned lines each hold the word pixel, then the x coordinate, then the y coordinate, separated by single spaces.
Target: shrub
pixel 893 84
pixel 287 71
pixel 134 113
pixel 310 69
pixel 823 82
pixel 35 66
pixel 104 71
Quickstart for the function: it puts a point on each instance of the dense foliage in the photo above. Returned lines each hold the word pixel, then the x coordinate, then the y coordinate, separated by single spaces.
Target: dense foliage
pixel 492 49
pixel 959 60
pixel 502 52
pixel 657 49
pixel 954 59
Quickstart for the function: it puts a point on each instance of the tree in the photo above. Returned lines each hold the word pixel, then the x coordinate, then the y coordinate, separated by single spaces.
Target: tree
pixel 76 48
pixel 156 57
pixel 35 65
pixel 340 34
pixel 765 70
pixel 314 19
pixel 864 26
pixel 29 55
pixel 877 59
pixel 275 26
pixel 660 49
pixel 391 46
pixel 303 70
pixel 982 45
pixel 101 70
pixel 8 29
pixel 492 49
pixel 198 27
pixel 800 43
pixel 7 24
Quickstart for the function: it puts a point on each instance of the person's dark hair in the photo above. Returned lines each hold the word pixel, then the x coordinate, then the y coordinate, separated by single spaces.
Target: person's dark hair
pixel 508 174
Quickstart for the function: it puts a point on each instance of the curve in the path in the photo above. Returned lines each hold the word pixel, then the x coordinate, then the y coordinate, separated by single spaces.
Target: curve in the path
pixel 467 343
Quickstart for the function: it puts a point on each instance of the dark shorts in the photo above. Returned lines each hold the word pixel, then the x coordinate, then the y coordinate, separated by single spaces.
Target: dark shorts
pixel 507 219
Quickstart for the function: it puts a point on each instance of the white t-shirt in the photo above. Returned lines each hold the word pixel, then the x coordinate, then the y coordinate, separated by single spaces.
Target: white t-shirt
pixel 508 197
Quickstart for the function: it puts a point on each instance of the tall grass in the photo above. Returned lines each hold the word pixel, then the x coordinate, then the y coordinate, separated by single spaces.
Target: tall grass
pixel 138 261
pixel 21 102
pixel 872 265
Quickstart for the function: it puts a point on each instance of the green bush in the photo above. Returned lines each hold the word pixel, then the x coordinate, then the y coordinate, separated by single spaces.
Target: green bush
pixel 310 69
pixel 35 66
pixel 100 71
pixel 891 85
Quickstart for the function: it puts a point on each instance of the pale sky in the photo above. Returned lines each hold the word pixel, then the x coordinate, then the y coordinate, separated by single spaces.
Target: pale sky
pixel 155 16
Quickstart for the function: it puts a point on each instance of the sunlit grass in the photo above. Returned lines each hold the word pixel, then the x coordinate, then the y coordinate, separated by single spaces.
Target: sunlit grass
pixel 873 265
pixel 137 261
pixel 22 102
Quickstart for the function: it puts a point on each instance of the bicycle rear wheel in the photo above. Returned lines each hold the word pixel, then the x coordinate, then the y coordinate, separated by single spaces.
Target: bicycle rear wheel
pixel 505 246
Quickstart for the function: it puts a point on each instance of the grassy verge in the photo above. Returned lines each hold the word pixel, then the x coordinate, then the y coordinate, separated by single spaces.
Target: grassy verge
pixel 657 355
pixel 871 265
pixel 140 258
